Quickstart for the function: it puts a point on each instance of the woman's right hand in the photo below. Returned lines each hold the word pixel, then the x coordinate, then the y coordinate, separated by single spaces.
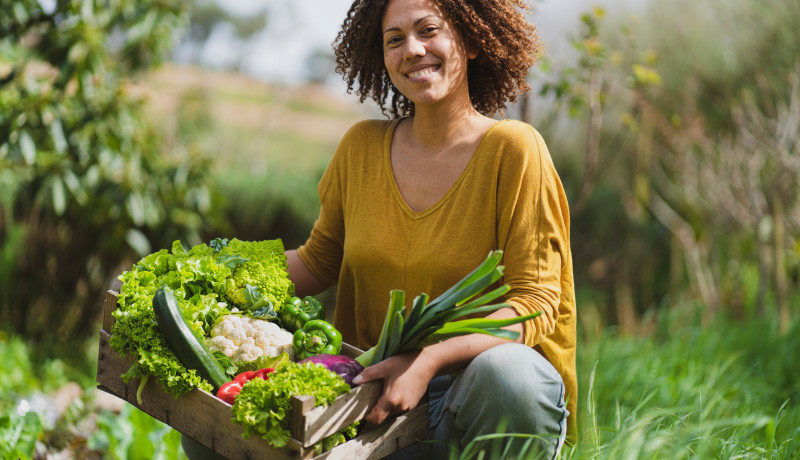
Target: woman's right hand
pixel 405 381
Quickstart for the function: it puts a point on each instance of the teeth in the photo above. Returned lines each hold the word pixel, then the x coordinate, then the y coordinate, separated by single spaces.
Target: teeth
pixel 421 73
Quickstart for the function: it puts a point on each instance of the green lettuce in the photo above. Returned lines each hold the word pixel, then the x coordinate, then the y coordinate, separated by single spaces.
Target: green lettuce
pixel 263 407
pixel 199 278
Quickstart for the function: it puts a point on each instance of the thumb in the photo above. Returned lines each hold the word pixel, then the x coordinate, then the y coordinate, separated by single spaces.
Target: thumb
pixel 369 374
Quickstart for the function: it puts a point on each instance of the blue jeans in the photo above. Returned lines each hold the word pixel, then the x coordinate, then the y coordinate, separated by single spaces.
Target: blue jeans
pixel 508 389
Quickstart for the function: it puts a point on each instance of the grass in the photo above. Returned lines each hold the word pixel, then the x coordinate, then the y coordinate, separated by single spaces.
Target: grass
pixel 686 391
pixel 726 390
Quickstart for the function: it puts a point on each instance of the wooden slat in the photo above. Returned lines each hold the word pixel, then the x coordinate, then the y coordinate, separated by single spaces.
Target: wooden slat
pixel 197 414
pixel 350 350
pixel 325 420
pixel 109 306
pixel 300 405
pixel 385 439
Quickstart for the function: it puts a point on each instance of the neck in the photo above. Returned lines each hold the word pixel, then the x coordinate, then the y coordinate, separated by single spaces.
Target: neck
pixel 433 127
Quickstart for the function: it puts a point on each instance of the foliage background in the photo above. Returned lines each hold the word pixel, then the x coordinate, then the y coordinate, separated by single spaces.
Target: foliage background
pixel 675 133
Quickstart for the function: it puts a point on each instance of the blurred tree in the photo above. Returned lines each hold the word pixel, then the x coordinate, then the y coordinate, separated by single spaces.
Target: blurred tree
pixel 85 186
pixel 622 251
pixel 204 16
pixel 722 149
pixel 207 15
pixel 320 64
pixel 691 127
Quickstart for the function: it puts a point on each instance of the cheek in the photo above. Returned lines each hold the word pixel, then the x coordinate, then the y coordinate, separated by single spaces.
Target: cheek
pixel 390 61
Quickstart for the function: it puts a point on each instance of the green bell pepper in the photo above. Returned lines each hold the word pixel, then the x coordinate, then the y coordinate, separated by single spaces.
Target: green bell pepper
pixel 296 312
pixel 317 337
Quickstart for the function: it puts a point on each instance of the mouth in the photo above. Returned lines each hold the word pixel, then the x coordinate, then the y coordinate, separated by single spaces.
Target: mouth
pixel 422 72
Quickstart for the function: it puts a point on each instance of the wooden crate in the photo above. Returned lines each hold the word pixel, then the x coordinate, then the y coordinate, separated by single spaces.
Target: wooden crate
pixel 207 419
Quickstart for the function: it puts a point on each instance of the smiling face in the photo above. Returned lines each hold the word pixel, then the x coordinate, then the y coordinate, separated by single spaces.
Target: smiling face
pixel 424 54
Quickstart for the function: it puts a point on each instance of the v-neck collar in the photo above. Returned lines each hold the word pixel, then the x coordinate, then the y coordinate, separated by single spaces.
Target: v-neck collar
pixel 387 159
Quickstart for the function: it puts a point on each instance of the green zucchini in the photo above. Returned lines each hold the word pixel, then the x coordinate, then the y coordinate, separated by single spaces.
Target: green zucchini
pixel 190 351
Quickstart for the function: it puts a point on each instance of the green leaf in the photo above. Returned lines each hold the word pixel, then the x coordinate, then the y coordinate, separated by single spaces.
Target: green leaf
pixel 218 243
pixel 396 299
pixel 441 336
pixel 138 241
pixel 232 261
pixel 266 313
pixel 464 311
pixel 257 302
pixel 27 148
pixel 59 196
pixel 135 207
pixel 74 185
pixel 57 133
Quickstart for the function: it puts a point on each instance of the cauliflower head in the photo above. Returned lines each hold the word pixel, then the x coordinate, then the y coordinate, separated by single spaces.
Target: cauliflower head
pixel 243 338
pixel 265 270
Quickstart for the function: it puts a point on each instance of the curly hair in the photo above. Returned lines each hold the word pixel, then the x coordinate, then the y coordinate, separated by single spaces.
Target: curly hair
pixel 508 46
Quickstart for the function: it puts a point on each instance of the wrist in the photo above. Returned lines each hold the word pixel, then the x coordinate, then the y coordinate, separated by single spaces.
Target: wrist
pixel 427 362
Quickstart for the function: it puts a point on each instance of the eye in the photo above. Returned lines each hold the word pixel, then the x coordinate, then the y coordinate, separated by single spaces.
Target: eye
pixel 427 30
pixel 393 40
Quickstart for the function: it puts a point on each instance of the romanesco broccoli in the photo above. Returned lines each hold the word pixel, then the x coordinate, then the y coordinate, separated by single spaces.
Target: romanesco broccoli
pixel 265 270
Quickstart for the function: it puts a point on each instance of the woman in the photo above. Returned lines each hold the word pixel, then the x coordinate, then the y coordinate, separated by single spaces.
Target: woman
pixel 417 201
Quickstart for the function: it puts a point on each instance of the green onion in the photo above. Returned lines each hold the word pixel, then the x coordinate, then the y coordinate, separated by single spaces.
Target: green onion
pixel 429 323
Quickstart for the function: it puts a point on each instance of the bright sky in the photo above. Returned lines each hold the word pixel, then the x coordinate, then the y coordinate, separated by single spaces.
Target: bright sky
pixel 295 28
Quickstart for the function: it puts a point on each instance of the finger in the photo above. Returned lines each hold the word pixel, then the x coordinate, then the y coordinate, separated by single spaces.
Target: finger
pixel 378 413
pixel 374 372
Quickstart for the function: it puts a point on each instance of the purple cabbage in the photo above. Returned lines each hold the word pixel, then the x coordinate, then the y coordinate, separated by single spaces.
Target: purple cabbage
pixel 345 366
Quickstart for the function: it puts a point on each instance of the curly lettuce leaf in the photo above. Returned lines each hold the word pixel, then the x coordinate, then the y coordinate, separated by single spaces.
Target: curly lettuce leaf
pixel 197 281
pixel 263 407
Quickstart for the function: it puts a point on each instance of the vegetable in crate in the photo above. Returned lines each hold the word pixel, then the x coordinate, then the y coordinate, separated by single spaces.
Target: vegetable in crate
pixel 345 366
pixel 190 350
pixel 263 407
pixel 198 279
pixel 229 391
pixel 317 337
pixel 428 323
pixel 263 267
pixel 242 338
pixel 297 312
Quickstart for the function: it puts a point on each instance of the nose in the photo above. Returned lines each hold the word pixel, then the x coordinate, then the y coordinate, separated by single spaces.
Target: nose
pixel 413 48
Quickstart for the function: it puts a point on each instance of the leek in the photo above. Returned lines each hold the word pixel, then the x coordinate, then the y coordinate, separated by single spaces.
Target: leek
pixel 429 323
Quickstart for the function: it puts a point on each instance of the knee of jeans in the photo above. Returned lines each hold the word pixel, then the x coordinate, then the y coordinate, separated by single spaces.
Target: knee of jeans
pixel 507 366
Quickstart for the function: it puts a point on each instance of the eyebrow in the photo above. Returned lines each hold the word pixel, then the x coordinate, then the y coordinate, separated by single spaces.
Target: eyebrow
pixel 416 23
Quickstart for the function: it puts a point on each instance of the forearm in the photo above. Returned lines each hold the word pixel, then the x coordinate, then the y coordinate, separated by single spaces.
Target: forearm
pixel 454 354
pixel 304 281
pixel 406 376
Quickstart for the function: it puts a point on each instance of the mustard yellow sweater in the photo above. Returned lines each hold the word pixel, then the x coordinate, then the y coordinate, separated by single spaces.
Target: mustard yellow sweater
pixel 509 197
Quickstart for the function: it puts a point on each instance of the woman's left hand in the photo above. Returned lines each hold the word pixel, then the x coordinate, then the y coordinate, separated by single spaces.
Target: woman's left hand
pixel 405 381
